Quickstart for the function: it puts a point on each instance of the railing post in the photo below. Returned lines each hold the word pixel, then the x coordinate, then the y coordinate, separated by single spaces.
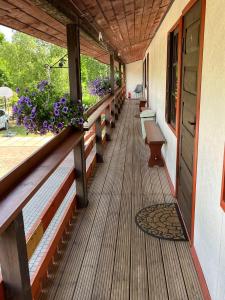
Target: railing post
pixel 116 108
pixel 119 102
pixel 73 46
pixel 14 261
pixel 107 122
pixel 113 110
pixel 99 145
pixel 81 183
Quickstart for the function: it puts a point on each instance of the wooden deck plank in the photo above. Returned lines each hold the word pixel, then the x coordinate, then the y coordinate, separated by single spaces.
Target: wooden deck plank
pixel 189 274
pixel 90 261
pixel 108 256
pixel 103 279
pixel 138 278
pixel 121 274
pixel 69 280
pixel 173 272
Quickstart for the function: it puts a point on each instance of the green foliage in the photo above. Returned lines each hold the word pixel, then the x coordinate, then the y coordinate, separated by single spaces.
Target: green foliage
pixel 4 80
pixel 2 37
pixel 22 64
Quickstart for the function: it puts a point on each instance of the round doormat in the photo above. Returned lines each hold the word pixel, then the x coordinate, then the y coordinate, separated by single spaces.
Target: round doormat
pixel 162 221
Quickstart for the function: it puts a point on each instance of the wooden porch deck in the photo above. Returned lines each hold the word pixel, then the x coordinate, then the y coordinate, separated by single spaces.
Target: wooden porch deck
pixel 107 256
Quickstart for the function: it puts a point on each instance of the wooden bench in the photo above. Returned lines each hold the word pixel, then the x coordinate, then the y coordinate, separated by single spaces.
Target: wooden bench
pixel 155 140
pixel 144 108
pixel 142 103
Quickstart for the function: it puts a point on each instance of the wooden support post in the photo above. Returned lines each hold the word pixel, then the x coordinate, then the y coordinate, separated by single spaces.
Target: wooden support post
pixel 124 74
pixel 14 261
pixel 112 82
pixel 121 81
pixel 107 122
pixel 73 46
pixel 99 145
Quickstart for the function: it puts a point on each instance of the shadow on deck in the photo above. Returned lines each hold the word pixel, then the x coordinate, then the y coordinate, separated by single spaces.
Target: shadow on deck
pixel 106 255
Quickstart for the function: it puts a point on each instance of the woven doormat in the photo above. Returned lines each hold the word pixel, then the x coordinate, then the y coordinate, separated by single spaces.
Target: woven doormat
pixel 162 221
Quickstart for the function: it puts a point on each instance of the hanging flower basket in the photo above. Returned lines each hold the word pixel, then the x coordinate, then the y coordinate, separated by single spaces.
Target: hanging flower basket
pixel 39 113
pixel 99 87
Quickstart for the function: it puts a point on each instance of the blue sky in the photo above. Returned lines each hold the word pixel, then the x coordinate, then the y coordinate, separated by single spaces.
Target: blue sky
pixel 8 32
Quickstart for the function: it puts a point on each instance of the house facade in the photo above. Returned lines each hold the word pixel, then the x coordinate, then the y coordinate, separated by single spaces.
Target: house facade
pixel 207 231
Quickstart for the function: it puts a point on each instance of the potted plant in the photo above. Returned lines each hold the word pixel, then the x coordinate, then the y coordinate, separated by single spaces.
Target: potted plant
pixel 40 111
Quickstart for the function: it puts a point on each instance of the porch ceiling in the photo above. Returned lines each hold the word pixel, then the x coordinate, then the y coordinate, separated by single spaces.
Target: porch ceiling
pixel 127 26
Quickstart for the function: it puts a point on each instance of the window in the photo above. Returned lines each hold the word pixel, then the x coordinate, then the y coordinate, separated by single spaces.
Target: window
pixel 223 184
pixel 172 77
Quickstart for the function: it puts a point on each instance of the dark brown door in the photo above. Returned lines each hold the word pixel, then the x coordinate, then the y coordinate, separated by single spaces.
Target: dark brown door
pixel 190 61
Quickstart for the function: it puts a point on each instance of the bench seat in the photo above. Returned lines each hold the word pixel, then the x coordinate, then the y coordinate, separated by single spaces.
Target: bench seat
pixel 155 141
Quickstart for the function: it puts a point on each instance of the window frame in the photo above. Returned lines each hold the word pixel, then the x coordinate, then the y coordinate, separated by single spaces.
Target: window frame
pixel 174 127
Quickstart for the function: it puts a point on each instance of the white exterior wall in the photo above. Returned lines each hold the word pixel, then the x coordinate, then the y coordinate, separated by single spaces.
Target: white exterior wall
pixel 209 240
pixel 210 218
pixel 133 76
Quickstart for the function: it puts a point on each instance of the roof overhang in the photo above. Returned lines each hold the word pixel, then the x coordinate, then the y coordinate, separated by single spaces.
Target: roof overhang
pixel 127 26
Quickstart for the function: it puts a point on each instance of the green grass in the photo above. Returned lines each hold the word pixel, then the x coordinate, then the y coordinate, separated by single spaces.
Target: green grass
pixel 19 131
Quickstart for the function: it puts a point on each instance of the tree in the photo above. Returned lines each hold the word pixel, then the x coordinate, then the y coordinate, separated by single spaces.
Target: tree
pixel 23 61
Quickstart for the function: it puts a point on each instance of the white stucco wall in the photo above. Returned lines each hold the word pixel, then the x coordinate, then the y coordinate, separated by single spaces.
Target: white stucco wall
pixel 133 76
pixel 210 218
pixel 209 240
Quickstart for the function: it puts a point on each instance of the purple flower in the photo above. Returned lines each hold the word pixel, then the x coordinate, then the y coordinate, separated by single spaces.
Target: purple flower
pixel 56 112
pixel 65 109
pixel 81 121
pixel 45 124
pixel 17 90
pixel 50 127
pixel 60 125
pixel 21 100
pixel 41 85
pixel 42 131
pixel 63 101
pixel 56 105
pixel 15 109
pixel 79 101
pixel 33 111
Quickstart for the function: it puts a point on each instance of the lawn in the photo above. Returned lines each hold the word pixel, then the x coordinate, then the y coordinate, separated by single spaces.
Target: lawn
pixel 19 131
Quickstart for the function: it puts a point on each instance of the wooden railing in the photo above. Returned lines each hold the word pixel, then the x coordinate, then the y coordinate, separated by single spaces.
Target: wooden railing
pixel 19 186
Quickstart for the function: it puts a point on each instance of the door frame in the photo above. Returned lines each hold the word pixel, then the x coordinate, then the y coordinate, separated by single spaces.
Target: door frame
pixel 147 77
pixel 198 98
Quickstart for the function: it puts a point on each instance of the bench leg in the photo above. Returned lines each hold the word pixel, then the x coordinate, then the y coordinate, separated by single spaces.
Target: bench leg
pixel 155 155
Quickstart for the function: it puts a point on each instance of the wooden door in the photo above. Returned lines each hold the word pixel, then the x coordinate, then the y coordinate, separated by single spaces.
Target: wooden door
pixel 190 62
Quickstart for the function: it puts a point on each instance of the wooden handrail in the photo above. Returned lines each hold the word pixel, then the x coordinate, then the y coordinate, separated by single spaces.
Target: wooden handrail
pixel 94 112
pixel 18 187
pixel 93 108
